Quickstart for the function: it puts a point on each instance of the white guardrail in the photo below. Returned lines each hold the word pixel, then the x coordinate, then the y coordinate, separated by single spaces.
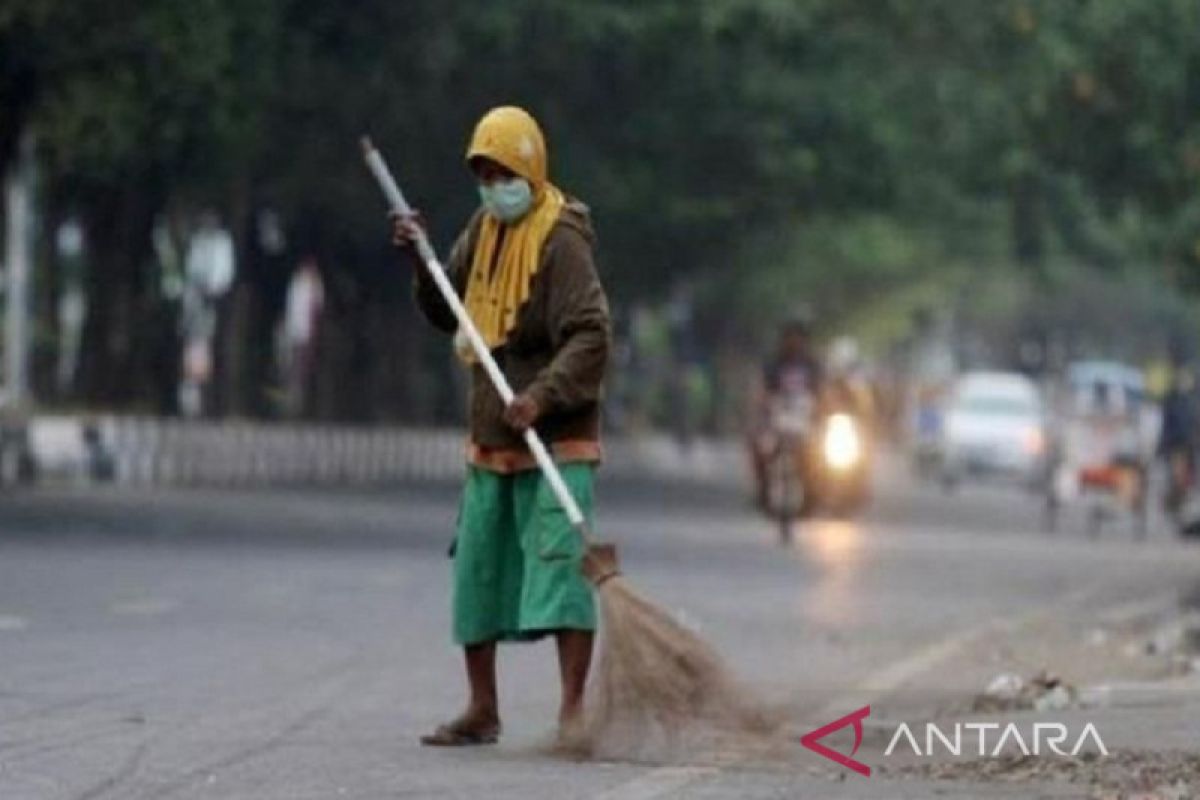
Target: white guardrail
pixel 153 451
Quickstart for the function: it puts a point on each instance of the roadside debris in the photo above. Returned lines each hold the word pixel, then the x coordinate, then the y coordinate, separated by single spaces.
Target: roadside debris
pixel 1181 634
pixel 1055 698
pixel 1122 775
pixel 1010 692
pixel 1178 641
pixel 1005 687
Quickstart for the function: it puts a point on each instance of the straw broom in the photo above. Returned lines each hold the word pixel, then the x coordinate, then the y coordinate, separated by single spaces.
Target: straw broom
pixel 656 681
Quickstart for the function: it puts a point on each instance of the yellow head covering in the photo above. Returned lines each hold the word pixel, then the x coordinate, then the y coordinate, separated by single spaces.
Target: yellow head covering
pixel 510 137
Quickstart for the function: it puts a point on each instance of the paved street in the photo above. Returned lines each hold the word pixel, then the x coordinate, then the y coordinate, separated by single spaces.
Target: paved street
pixel 294 644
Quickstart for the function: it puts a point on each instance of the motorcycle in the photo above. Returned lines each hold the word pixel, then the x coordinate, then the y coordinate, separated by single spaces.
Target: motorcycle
pixel 1115 487
pixel 817 461
pixel 1098 466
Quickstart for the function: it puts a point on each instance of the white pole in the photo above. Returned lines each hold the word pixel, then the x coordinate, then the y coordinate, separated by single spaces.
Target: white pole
pixel 18 214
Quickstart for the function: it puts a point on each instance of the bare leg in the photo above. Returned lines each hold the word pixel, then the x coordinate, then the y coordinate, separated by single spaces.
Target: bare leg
pixel 484 706
pixel 574 660
pixel 480 723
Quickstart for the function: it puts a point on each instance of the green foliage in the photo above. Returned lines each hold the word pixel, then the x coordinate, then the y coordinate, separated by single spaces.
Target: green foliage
pixel 857 158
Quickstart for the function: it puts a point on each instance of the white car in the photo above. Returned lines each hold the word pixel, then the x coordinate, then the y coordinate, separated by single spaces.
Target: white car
pixel 995 427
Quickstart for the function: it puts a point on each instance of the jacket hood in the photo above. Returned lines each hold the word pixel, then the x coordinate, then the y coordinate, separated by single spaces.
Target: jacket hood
pixel 510 136
pixel 577 216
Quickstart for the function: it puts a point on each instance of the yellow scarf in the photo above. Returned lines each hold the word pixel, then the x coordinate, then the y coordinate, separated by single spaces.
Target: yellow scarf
pixel 499 282
pixel 496 293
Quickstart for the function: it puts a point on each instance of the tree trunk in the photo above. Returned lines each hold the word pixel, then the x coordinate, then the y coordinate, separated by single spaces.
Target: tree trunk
pixel 247 340
pixel 400 385
pixel 47 290
pixel 129 352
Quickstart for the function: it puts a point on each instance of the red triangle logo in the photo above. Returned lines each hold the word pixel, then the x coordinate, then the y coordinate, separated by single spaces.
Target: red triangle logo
pixel 812 740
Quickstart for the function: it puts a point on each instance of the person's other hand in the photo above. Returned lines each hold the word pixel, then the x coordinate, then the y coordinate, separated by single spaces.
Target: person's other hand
pixel 522 412
pixel 406 228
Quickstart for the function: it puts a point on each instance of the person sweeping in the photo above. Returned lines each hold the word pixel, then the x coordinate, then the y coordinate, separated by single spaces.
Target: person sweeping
pixel 530 317
pixel 523 267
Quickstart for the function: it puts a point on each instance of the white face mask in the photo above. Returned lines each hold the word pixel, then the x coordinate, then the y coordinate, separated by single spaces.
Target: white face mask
pixel 508 200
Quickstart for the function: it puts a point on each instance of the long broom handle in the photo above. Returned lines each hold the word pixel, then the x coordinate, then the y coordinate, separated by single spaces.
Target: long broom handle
pixel 425 250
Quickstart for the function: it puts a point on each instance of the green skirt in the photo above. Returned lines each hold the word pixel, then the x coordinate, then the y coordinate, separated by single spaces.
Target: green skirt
pixel 517 558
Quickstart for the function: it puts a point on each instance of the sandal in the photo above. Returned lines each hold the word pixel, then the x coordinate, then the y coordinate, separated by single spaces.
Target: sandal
pixel 463 732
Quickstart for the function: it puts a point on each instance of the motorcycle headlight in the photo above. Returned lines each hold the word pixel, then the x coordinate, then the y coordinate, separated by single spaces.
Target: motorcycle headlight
pixel 842 445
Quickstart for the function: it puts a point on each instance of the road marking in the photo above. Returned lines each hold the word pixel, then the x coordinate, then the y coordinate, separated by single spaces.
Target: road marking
pixel 1139 609
pixel 144 607
pixel 959 542
pixel 12 622
pixel 895 675
pixel 884 681
pixel 657 783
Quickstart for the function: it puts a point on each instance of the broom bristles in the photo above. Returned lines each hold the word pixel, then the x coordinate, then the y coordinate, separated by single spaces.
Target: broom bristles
pixel 659 689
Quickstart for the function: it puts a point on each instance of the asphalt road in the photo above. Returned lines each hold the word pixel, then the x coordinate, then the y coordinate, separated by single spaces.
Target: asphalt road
pixel 295 644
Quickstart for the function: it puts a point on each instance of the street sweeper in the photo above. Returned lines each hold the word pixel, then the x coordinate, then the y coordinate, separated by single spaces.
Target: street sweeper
pixel 523 267
pixel 529 316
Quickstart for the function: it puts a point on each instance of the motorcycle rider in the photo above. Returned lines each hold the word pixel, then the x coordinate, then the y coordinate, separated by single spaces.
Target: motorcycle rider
pixel 794 372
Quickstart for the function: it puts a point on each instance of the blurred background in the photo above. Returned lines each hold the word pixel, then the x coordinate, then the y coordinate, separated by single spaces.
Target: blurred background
pixel 190 230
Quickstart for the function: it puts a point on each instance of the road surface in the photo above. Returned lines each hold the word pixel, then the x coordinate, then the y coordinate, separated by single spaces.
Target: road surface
pixel 294 644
